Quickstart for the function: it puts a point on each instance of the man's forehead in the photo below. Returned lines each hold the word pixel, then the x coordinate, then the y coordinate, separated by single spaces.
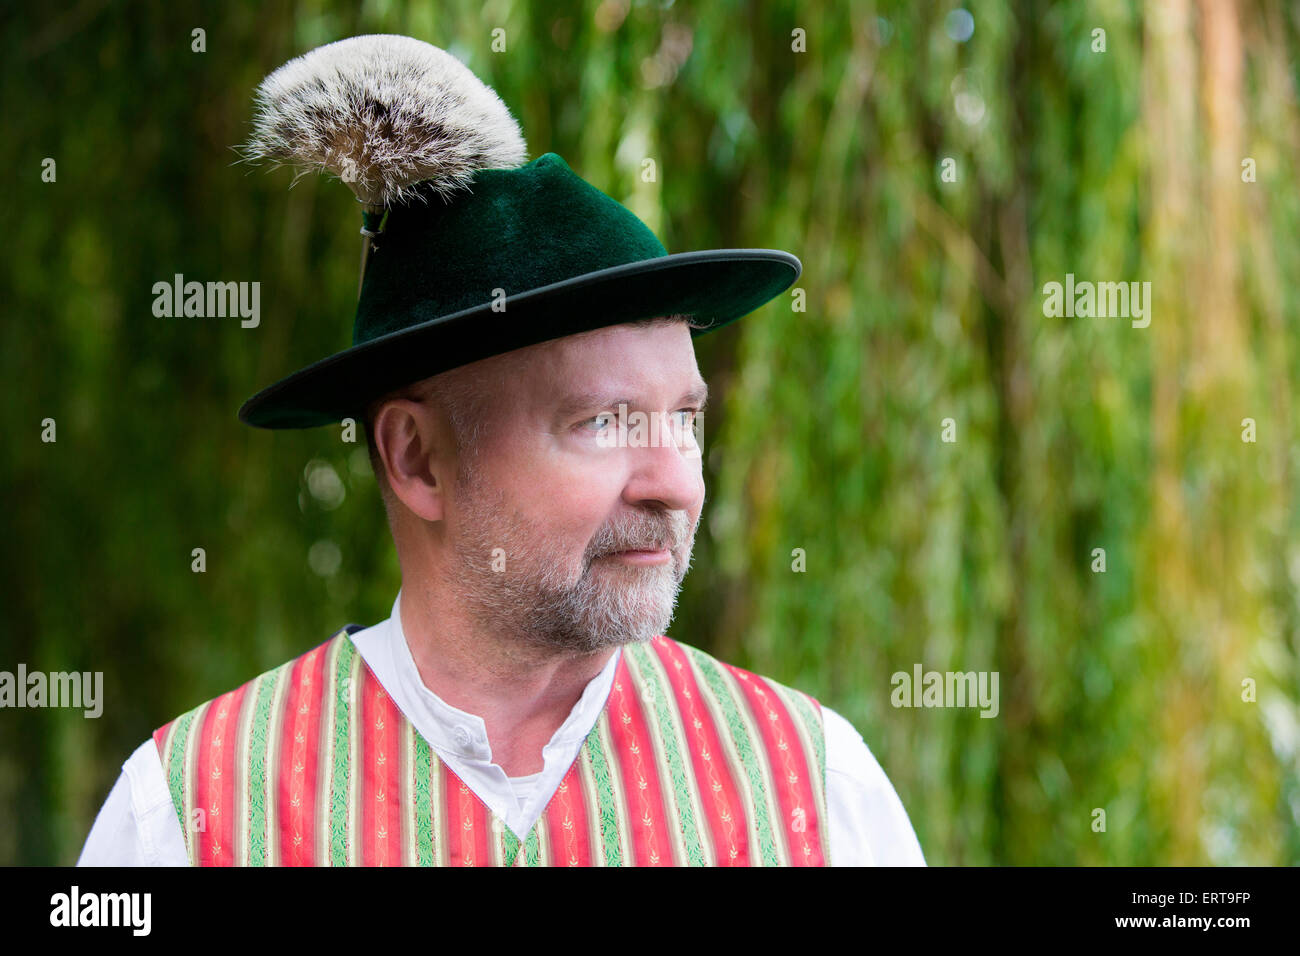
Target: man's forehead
pixel 620 359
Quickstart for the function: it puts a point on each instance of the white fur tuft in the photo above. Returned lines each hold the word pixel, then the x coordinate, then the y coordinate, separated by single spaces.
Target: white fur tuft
pixel 383 113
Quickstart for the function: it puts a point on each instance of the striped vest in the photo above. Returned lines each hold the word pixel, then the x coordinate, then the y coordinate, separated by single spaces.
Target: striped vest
pixel 691 762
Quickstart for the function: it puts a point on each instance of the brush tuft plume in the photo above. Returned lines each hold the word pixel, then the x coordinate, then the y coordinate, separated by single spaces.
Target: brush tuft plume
pixel 384 113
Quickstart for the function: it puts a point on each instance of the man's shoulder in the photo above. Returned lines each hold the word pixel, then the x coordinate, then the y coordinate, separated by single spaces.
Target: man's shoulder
pixel 268 678
pixel 715 670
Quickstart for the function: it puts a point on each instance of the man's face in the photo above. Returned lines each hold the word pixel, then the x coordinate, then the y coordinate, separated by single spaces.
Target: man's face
pixel 569 529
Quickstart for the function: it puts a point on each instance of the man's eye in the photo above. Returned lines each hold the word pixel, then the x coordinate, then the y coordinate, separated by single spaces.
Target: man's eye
pixel 601 421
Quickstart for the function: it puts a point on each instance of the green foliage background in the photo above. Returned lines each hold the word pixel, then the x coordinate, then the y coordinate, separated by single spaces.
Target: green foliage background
pixel 1119 690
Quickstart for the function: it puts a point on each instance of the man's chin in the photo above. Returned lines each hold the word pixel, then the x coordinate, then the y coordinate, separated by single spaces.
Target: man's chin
pixel 636 623
pixel 605 637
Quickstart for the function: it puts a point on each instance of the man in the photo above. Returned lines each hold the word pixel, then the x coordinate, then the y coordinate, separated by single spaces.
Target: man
pixel 516 331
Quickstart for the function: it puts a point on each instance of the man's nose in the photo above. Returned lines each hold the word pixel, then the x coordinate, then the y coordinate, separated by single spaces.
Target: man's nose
pixel 666 468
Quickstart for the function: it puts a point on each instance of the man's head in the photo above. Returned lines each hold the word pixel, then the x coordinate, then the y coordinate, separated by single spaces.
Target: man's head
pixel 507 496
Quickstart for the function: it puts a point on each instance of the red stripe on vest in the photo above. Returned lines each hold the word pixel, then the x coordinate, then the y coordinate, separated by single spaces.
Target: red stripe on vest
pixel 216 782
pixel 794 797
pixel 300 755
pixel 721 799
pixel 381 819
pixel 634 751
pixel 566 818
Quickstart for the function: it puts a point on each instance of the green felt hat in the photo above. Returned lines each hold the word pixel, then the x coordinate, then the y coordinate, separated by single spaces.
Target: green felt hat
pixel 476 255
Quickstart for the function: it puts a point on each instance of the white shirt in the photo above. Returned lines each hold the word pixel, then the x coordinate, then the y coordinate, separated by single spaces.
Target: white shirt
pixel 138 825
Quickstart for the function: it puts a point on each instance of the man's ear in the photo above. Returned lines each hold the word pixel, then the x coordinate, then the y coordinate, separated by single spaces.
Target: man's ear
pixel 414 441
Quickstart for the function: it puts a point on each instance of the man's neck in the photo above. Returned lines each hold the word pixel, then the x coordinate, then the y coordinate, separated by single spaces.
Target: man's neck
pixel 523 692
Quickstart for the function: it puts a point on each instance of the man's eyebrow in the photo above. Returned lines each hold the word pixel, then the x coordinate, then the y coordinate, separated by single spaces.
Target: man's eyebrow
pixel 697 396
pixel 573 404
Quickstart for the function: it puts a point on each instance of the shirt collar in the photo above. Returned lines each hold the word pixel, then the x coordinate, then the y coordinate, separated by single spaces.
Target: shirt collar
pixel 460 732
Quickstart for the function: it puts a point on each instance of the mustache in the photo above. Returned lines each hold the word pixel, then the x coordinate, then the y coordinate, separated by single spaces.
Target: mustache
pixel 641 531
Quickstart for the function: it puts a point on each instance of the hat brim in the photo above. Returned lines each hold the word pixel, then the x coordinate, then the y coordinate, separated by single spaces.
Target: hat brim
pixel 716 287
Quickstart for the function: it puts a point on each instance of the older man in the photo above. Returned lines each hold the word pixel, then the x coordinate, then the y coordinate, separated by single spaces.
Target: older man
pixel 523 703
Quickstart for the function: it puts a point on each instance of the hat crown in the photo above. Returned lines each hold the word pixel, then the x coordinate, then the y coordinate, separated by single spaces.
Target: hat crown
pixel 515 231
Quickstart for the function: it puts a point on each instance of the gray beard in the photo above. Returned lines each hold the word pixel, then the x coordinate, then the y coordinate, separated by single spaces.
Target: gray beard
pixel 523 591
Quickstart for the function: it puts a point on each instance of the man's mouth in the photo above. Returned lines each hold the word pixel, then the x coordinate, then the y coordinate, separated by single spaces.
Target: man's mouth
pixel 642 555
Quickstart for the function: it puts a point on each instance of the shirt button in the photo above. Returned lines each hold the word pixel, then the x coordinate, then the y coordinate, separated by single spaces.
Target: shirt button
pixel 462 736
